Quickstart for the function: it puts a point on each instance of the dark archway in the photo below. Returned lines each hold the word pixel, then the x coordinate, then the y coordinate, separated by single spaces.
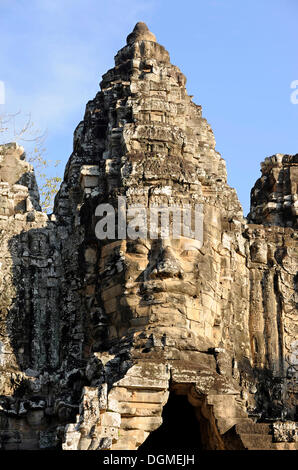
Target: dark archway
pixel 180 428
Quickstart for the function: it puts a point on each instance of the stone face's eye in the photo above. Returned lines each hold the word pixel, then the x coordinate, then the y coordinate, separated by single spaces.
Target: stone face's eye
pixel 189 247
pixel 137 248
pixel 189 252
pixel 141 249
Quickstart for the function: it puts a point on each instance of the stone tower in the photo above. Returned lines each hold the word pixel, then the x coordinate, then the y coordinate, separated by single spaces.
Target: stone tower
pixel 104 341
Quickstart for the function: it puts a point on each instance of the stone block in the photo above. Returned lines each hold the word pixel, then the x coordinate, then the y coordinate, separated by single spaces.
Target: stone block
pixel 109 418
pixel 143 423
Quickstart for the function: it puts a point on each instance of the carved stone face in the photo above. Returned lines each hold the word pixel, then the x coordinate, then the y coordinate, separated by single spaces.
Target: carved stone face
pixel 150 281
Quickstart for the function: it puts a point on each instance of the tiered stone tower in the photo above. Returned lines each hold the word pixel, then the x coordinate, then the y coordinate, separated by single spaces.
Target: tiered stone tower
pixel 102 340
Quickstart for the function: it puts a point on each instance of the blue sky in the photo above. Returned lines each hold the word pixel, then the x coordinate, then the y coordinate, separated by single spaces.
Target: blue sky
pixel 239 59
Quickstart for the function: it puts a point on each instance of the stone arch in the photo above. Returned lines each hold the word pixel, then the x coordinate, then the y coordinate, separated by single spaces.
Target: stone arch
pixel 193 426
pixel 164 421
pixel 124 416
pixel 180 428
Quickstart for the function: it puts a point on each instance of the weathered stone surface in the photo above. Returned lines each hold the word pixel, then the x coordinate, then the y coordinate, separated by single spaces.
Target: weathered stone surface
pixel 96 334
pixel 274 199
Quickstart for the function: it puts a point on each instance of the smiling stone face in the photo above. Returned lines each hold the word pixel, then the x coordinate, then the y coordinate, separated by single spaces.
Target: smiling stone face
pixel 150 282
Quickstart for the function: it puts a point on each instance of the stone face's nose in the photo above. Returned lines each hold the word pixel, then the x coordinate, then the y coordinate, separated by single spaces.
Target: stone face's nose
pixel 167 265
pixel 140 33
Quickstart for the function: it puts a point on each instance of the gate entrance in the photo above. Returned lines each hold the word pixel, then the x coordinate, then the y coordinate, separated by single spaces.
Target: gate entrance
pixel 180 428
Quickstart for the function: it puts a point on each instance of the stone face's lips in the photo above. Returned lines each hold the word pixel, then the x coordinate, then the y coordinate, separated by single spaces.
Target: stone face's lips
pixel 168 286
pixel 157 292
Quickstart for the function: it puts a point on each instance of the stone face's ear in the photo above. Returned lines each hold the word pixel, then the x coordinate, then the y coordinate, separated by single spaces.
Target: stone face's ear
pixel 140 33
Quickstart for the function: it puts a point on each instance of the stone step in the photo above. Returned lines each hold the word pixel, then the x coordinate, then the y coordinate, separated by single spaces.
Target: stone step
pixel 286 445
pixel 249 427
pixel 279 446
pixel 257 441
